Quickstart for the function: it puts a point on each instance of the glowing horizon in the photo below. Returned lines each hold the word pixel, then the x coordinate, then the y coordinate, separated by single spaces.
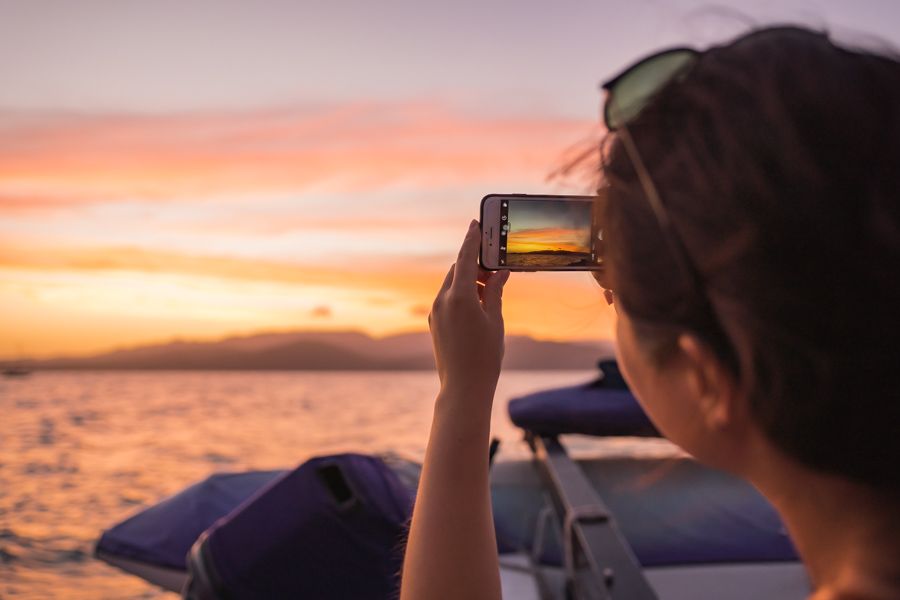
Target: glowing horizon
pixel 548 238
pixel 69 301
pixel 124 230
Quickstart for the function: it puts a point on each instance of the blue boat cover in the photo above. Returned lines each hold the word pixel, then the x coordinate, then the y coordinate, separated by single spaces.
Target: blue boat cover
pixel 162 534
pixel 672 511
pixel 604 407
pixel 332 528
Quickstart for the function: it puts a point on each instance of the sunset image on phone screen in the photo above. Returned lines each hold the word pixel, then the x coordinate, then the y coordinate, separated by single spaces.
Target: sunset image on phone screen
pixel 547 233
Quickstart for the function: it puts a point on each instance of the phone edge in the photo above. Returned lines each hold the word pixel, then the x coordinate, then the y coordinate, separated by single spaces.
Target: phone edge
pixel 519 269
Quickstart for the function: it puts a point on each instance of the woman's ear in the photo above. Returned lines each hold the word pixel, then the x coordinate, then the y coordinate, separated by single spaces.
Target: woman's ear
pixel 710 383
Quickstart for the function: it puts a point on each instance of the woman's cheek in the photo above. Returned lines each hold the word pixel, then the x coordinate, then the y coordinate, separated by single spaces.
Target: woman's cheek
pixel 642 377
pixel 625 356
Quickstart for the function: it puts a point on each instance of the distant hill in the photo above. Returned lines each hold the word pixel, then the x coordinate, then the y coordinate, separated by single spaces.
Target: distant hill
pixel 326 350
pixel 563 252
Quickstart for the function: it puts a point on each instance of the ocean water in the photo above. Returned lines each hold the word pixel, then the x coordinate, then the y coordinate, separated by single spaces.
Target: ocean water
pixel 82 451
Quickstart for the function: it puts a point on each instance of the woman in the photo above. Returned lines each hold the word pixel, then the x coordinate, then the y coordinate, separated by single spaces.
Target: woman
pixel 753 253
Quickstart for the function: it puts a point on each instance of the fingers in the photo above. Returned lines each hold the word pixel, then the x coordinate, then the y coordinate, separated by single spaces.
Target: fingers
pixel 483 276
pixel 493 293
pixel 448 280
pixel 466 271
pixel 467 262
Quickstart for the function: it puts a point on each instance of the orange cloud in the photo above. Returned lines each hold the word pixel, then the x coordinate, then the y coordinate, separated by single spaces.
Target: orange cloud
pixel 401 275
pixel 321 312
pixel 420 310
pixel 80 299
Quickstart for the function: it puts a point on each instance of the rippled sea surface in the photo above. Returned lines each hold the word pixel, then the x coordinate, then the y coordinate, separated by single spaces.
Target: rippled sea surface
pixel 81 451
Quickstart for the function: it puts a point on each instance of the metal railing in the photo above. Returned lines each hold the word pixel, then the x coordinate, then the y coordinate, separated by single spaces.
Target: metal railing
pixel 598 562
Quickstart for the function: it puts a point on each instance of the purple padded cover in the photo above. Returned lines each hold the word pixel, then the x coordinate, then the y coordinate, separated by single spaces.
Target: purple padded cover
pixel 162 534
pixel 332 528
pixel 588 409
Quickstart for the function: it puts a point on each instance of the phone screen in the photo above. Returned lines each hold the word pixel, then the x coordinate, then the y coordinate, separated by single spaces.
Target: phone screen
pixel 540 234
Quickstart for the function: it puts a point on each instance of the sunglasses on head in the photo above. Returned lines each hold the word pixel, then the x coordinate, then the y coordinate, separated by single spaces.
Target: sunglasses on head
pixel 627 95
pixel 631 90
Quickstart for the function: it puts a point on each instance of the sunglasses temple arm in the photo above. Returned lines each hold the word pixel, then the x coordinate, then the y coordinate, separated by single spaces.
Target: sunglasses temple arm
pixel 653 198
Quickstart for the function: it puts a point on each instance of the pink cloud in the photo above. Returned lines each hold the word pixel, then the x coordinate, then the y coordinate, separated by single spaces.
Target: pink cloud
pixel 52 161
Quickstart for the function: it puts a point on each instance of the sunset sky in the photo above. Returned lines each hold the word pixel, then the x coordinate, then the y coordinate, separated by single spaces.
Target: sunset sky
pixel 193 170
pixel 536 225
pixel 548 238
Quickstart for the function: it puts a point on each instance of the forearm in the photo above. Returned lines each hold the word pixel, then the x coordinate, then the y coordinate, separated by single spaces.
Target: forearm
pixel 452 550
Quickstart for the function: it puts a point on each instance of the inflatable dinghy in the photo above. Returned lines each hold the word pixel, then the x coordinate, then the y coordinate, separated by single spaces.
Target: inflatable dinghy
pixel 605 527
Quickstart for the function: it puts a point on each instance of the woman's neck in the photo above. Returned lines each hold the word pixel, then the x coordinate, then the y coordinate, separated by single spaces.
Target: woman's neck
pixel 847 534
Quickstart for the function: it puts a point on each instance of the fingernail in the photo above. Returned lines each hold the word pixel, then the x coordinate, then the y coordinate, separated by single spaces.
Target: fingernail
pixel 473 224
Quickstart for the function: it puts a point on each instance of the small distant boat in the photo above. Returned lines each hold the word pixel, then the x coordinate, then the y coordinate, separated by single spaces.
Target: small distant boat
pixel 601 527
pixel 16 371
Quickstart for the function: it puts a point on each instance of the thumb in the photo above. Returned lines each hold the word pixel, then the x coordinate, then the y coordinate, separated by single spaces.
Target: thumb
pixel 493 293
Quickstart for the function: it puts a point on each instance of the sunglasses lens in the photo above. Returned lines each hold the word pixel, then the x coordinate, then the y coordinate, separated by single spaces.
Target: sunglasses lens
pixel 630 92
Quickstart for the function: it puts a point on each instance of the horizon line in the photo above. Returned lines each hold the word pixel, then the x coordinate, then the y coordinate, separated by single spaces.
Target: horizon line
pixel 242 335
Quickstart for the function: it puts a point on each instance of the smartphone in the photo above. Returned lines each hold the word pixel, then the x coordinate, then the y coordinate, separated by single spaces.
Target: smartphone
pixel 523 232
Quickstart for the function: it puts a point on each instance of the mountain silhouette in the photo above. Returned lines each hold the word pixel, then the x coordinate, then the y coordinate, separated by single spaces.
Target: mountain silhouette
pixel 325 350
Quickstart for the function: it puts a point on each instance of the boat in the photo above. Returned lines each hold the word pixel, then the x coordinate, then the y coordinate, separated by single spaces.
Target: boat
pixel 629 527
pixel 15 370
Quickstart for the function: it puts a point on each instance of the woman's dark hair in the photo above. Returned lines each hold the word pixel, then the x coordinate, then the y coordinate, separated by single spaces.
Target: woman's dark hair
pixel 777 157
